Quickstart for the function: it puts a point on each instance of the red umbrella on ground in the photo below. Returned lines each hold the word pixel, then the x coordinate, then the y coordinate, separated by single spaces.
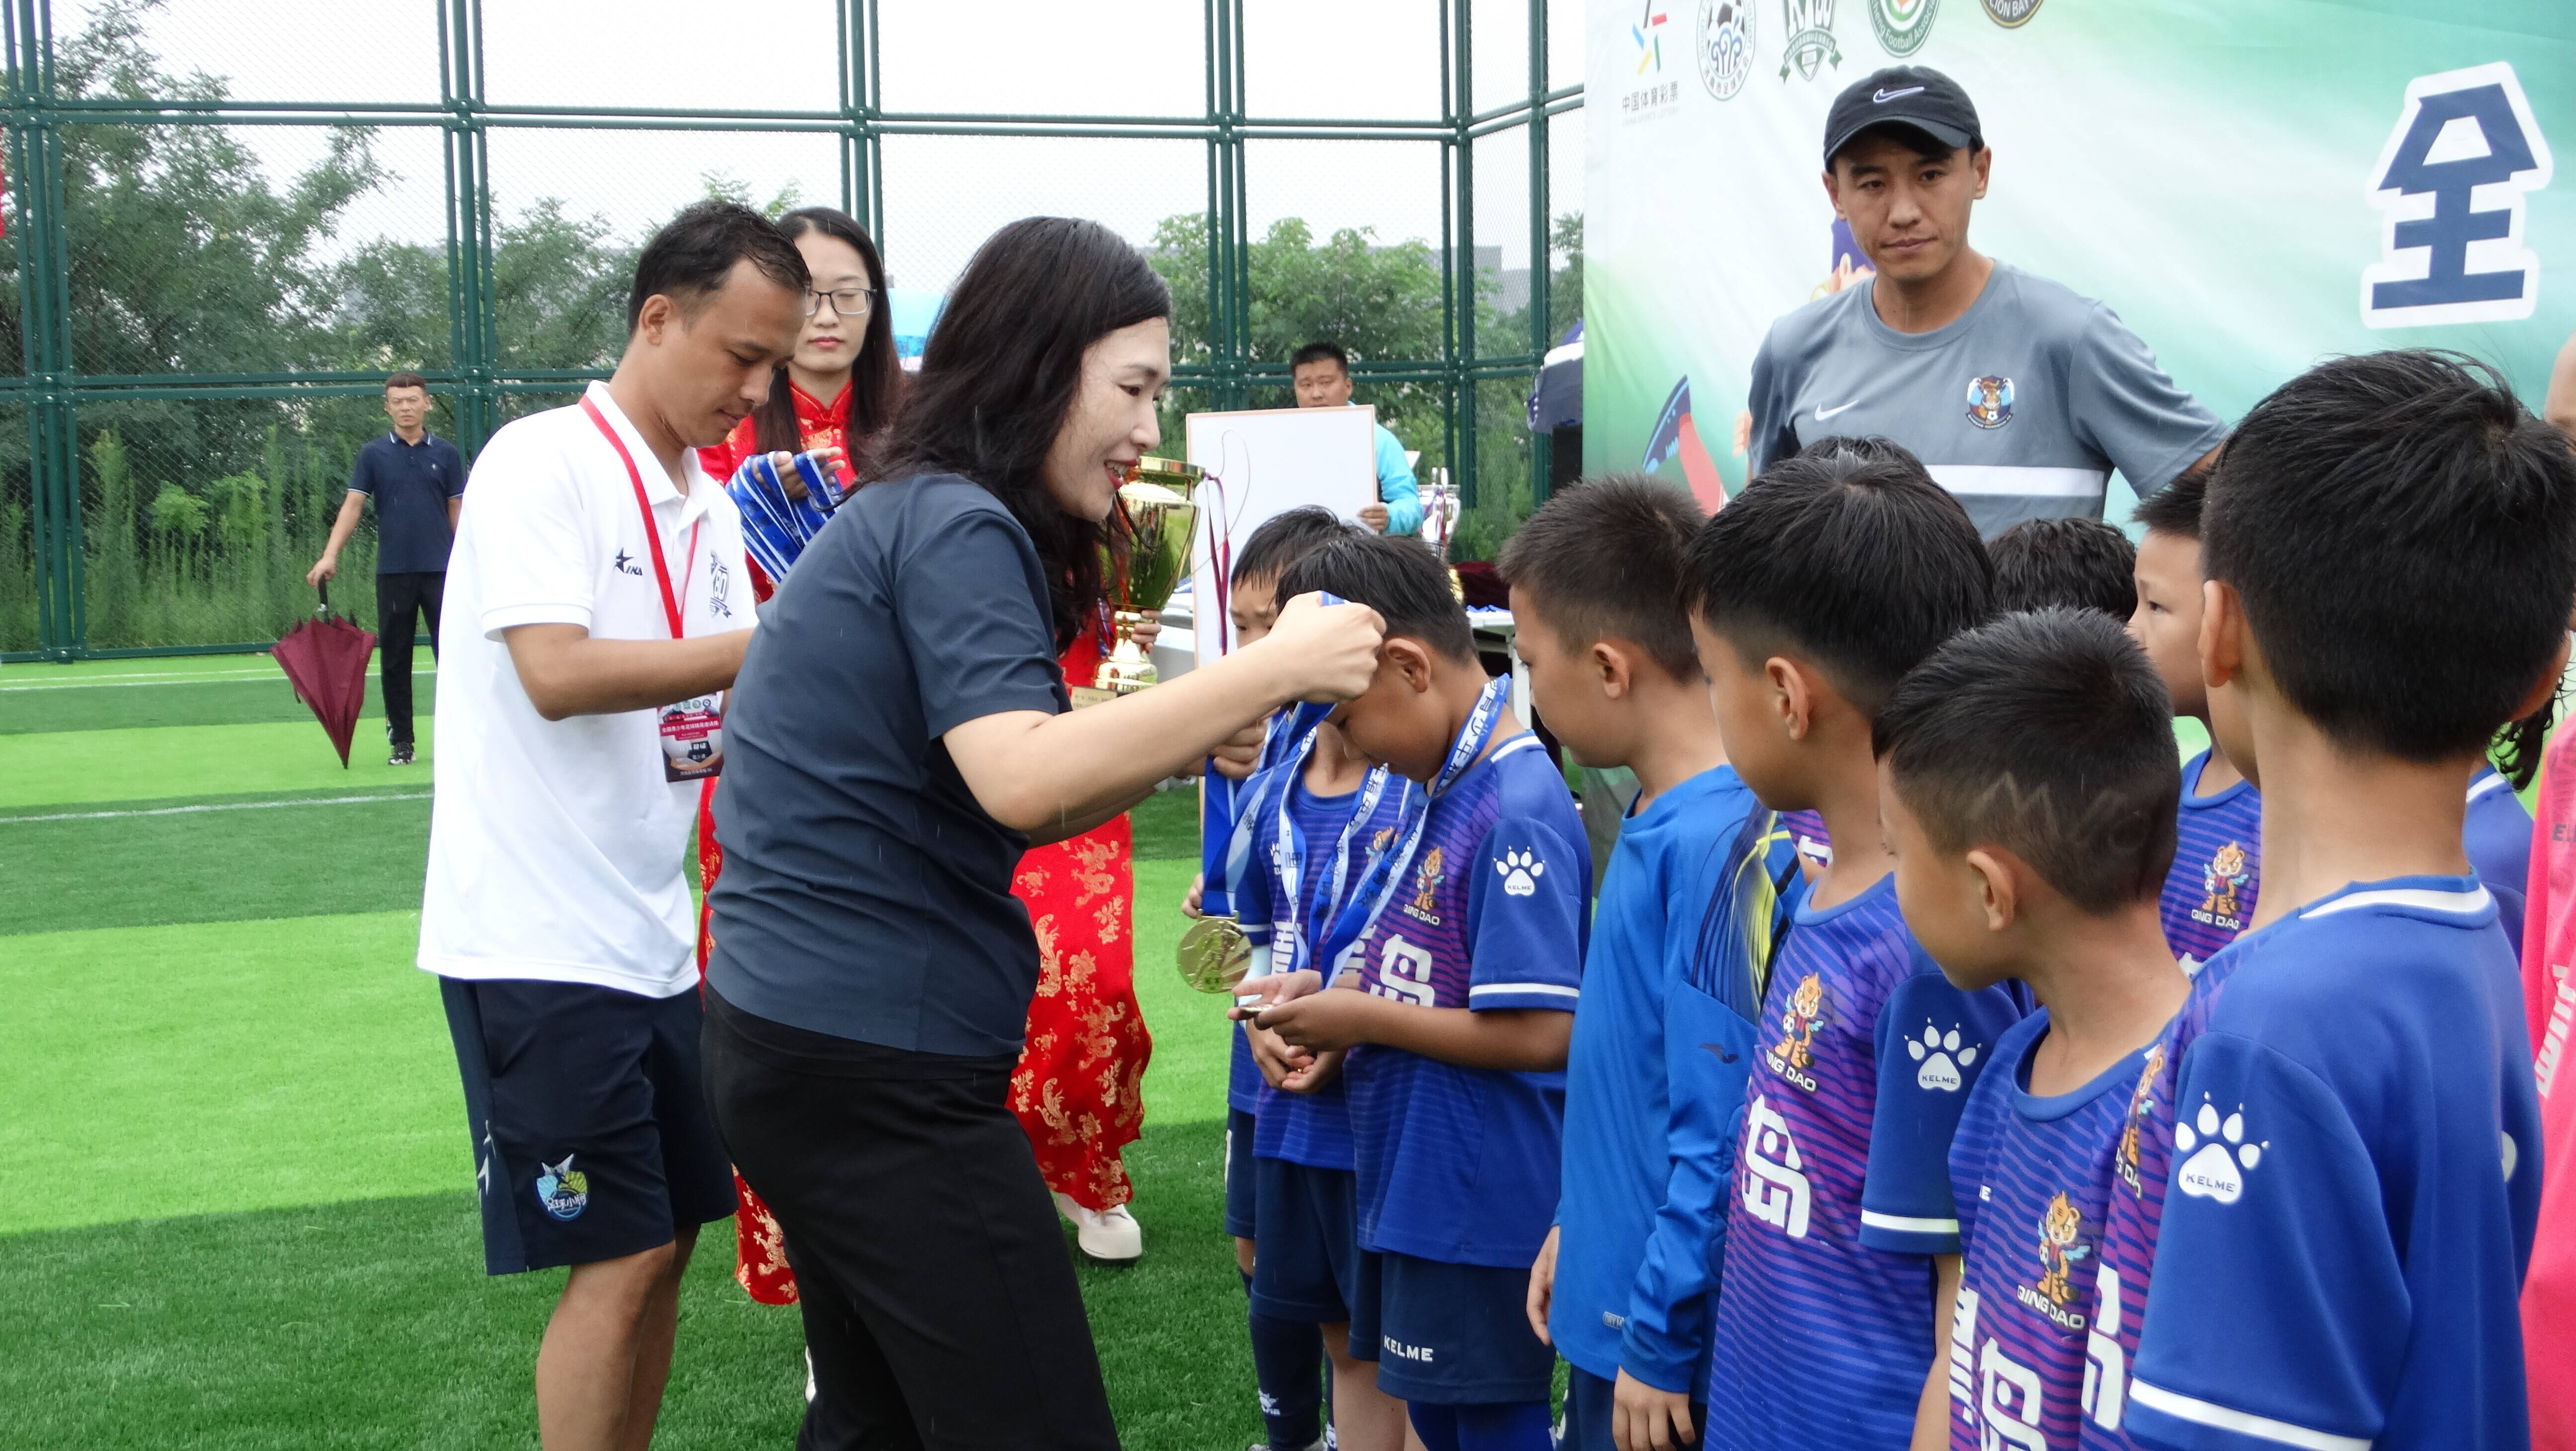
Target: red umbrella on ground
pixel 325 659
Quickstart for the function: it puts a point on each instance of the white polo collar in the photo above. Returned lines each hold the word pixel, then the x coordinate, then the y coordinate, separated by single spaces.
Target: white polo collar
pixel 657 485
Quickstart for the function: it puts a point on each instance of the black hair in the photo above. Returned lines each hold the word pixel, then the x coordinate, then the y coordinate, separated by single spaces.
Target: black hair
pixel 1605 558
pixel 2083 564
pixel 406 380
pixel 695 251
pixel 1913 138
pixel 1286 537
pixel 2048 734
pixel 2516 749
pixel 876 375
pixel 1320 352
pixel 1397 576
pixel 2402 533
pixel 1851 556
pixel 2175 508
pixel 998 379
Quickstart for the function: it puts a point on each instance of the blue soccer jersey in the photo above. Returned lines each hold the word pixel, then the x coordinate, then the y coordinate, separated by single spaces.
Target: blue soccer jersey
pixel 1460 1164
pixel 1311 1128
pixel 1632 1264
pixel 2351 1186
pixel 2217 867
pixel 2033 1179
pixel 1842 1182
pixel 2495 832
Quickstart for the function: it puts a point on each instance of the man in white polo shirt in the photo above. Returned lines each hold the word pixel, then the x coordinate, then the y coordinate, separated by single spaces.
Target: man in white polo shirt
pixel 596 609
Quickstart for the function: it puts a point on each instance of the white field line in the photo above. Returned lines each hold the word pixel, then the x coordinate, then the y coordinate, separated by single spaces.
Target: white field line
pixel 215 806
pixel 120 683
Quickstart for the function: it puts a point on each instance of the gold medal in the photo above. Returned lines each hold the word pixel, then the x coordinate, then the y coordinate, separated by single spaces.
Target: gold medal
pixel 1214 954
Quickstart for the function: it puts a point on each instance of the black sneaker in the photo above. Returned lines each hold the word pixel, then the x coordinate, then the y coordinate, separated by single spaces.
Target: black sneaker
pixel 401 755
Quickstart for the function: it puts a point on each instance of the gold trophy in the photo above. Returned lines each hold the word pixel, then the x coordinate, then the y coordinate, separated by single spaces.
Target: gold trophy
pixel 1162 517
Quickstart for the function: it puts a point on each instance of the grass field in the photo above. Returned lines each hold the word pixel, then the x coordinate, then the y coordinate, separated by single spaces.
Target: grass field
pixel 234 1202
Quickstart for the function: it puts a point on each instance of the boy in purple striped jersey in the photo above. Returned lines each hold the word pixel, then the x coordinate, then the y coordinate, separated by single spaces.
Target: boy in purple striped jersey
pixel 1467 957
pixel 2026 774
pixel 1813 592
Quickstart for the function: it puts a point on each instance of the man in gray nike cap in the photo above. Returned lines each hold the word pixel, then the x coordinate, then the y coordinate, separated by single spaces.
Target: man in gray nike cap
pixel 2018 394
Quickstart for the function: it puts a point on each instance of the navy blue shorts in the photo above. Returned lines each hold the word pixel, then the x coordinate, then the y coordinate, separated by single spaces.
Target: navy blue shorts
pixel 1238 1173
pixel 592 1137
pixel 1449 1335
pixel 1305 1264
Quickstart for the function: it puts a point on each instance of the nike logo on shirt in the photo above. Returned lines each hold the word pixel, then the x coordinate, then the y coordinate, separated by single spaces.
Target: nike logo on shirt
pixel 1823 413
pixel 1883 97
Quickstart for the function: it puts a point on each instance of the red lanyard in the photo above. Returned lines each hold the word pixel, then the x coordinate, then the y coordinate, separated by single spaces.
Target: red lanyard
pixel 652 530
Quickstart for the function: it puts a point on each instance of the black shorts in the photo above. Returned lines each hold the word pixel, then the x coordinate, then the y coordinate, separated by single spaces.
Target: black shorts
pixel 1305 1263
pixel 1238 1173
pixel 1449 1335
pixel 592 1138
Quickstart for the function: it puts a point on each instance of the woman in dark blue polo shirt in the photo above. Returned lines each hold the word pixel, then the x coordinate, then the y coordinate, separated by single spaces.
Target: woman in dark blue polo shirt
pixel 902 733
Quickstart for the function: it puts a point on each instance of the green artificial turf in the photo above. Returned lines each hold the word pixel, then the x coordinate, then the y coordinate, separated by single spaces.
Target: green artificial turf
pixel 66 767
pixel 246 698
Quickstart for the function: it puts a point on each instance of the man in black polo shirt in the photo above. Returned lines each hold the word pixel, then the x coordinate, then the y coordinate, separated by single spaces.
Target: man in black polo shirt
pixel 418 483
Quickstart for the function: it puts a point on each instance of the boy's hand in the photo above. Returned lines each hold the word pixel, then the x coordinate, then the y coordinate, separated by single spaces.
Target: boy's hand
pixel 1278 987
pixel 1321 1022
pixel 1276 1060
pixel 1190 903
pixel 1320 1069
pixel 1542 1288
pixel 1643 1418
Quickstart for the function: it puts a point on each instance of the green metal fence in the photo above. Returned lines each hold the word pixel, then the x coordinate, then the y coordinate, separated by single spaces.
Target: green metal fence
pixel 215 254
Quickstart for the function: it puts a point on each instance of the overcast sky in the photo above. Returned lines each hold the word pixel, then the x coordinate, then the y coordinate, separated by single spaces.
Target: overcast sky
pixel 1374 58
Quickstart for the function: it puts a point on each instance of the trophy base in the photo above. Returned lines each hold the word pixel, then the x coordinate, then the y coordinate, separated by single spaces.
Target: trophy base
pixel 1128 668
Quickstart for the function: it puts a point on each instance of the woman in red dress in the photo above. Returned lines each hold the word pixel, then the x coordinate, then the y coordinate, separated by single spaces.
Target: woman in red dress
pixel 1076 1090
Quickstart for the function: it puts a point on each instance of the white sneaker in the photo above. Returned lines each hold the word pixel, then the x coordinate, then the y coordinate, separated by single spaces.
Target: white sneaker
pixel 1111 1237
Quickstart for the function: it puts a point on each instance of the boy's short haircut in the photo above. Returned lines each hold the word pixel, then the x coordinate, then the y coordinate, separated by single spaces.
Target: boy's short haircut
pixel 2077 563
pixel 1605 558
pixel 2175 508
pixel 1852 557
pixel 1285 538
pixel 1863 447
pixel 2402 533
pixel 2048 734
pixel 1395 575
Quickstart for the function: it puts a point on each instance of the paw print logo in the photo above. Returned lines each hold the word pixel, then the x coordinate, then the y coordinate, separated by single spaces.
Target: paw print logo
pixel 1520 871
pixel 1941 1058
pixel 2220 1157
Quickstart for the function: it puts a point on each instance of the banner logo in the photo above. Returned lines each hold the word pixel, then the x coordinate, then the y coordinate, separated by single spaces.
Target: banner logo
pixel 2011 14
pixel 1649 35
pixel 1810 27
pixel 1902 25
pixel 2443 257
pixel 1725 45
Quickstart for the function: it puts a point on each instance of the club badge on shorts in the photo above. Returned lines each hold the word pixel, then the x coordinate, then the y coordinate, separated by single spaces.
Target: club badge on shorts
pixel 692 738
pixel 562 1190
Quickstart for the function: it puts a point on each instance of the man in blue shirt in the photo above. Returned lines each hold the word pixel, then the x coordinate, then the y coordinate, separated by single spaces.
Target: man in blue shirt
pixel 418 483
pixel 1322 375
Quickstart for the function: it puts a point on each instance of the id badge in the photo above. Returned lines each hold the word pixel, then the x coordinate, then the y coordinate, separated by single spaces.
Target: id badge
pixel 693 738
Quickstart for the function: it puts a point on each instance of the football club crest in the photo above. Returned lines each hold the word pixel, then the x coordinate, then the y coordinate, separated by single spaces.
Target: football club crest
pixel 2011 14
pixel 1725 45
pixel 1810 28
pixel 1990 402
pixel 2061 1248
pixel 562 1190
pixel 2223 883
pixel 2142 1100
pixel 1426 884
pixel 1795 1053
pixel 1902 25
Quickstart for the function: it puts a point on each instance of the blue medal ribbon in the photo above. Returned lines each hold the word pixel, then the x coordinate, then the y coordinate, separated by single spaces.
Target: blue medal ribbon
pixel 1225 827
pixel 1321 918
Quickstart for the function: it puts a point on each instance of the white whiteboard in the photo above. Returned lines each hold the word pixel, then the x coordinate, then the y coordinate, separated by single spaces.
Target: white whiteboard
pixel 1271 460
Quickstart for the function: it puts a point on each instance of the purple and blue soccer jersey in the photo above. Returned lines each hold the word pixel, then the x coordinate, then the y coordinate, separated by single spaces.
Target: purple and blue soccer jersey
pixel 1313 1129
pixel 1460 1164
pixel 2033 1179
pixel 2349 1188
pixel 2495 833
pixel 2217 867
pixel 1864 1058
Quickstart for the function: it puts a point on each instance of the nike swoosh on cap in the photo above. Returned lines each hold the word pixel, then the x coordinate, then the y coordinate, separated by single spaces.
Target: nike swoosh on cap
pixel 1823 413
pixel 1883 97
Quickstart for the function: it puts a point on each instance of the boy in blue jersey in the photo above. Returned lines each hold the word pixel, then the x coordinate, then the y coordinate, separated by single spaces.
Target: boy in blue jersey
pixel 1467 962
pixel 1812 593
pixel 1288 1356
pixel 1621 1286
pixel 2218 836
pixel 2026 775
pixel 2351 1126
pixel 1318 821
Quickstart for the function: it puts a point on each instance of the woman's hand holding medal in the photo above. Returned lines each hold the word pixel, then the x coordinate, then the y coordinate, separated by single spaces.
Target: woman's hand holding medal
pixel 1334 647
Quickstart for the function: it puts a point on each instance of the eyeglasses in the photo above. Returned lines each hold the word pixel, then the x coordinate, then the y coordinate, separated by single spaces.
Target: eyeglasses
pixel 846 302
